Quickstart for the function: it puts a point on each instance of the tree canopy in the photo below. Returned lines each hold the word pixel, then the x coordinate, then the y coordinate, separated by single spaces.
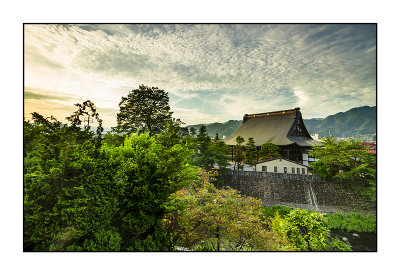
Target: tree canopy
pixel 145 109
pixel 82 197
pixel 208 153
pixel 251 151
pixel 348 162
pixel 269 150
pixel 238 153
pixel 203 218
pixel 155 189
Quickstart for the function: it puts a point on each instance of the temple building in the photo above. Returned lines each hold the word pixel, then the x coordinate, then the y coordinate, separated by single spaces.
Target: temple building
pixel 284 128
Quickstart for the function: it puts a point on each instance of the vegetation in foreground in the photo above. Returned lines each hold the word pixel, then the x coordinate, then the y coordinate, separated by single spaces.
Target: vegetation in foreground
pixel 146 186
pixel 352 222
pixel 201 217
pixel 348 163
pixel 348 222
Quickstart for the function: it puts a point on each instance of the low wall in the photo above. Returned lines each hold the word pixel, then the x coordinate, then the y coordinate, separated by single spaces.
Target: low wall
pixel 291 189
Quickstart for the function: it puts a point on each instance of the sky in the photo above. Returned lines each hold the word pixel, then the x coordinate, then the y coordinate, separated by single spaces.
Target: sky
pixel 212 72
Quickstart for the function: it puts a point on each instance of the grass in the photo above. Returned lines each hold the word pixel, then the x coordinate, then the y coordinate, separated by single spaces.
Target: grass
pixel 352 222
pixel 349 222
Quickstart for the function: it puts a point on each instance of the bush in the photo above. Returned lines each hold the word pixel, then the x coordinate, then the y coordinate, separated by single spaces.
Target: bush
pixel 203 218
pixel 306 231
pixel 270 212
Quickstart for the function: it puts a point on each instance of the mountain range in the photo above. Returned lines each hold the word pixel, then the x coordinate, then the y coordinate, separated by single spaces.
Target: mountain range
pixel 357 123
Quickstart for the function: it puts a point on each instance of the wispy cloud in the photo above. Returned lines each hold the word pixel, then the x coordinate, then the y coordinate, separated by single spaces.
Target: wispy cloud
pixel 247 67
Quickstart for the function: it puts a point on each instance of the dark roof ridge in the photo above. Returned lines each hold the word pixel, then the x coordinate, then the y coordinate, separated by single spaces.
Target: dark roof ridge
pixel 280 111
pixel 266 114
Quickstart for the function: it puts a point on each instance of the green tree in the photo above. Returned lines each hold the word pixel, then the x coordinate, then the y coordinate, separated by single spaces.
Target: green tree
pixel 147 170
pixel 88 110
pixel 219 154
pixel 208 153
pixel 202 217
pixel 145 110
pixel 347 162
pixel 269 150
pixel 203 156
pixel 67 188
pixel 251 152
pixel 112 138
pixel 192 132
pixel 238 153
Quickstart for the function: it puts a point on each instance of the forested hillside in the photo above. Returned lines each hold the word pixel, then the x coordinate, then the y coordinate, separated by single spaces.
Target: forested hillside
pixel 223 129
pixel 358 123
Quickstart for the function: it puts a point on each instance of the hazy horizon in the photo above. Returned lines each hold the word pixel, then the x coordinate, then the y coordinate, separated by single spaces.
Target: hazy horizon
pixel 212 72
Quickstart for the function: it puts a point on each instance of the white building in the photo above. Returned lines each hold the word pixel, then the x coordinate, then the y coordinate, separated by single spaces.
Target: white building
pixel 315 136
pixel 281 165
pixel 307 159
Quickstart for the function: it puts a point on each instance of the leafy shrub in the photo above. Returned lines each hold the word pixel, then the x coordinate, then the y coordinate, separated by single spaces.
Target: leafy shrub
pixel 306 231
pixel 270 212
pixel 222 219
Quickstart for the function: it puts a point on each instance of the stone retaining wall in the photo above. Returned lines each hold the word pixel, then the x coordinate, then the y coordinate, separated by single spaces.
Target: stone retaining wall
pixel 273 188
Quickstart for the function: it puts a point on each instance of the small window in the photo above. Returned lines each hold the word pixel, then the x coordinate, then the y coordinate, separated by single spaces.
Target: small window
pixel 303 170
pixel 275 169
pixel 285 170
pixel 293 170
pixel 264 168
pixel 298 170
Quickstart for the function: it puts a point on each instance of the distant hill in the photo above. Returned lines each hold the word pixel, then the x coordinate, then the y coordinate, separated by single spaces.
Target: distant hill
pixel 357 123
pixel 223 129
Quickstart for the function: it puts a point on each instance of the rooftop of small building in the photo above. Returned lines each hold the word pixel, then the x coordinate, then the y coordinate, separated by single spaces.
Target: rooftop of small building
pixel 279 158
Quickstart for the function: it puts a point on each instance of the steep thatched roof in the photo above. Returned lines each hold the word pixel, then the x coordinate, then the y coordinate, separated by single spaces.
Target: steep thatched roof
pixel 284 127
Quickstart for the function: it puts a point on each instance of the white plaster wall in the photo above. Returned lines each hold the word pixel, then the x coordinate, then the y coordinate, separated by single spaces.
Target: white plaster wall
pixel 246 167
pixel 280 164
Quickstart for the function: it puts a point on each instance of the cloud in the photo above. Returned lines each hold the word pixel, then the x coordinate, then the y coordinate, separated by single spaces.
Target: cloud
pixel 60 105
pixel 39 94
pixel 193 116
pixel 252 67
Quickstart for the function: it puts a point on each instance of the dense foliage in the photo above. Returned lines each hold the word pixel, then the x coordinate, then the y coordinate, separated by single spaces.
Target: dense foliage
pixel 306 231
pixel 271 211
pixel 347 162
pixel 250 152
pixel 349 222
pixel 239 153
pixel 145 109
pixel 149 186
pixel 67 189
pixel 81 196
pixel 269 150
pixel 208 153
pixel 201 217
pixel 146 173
